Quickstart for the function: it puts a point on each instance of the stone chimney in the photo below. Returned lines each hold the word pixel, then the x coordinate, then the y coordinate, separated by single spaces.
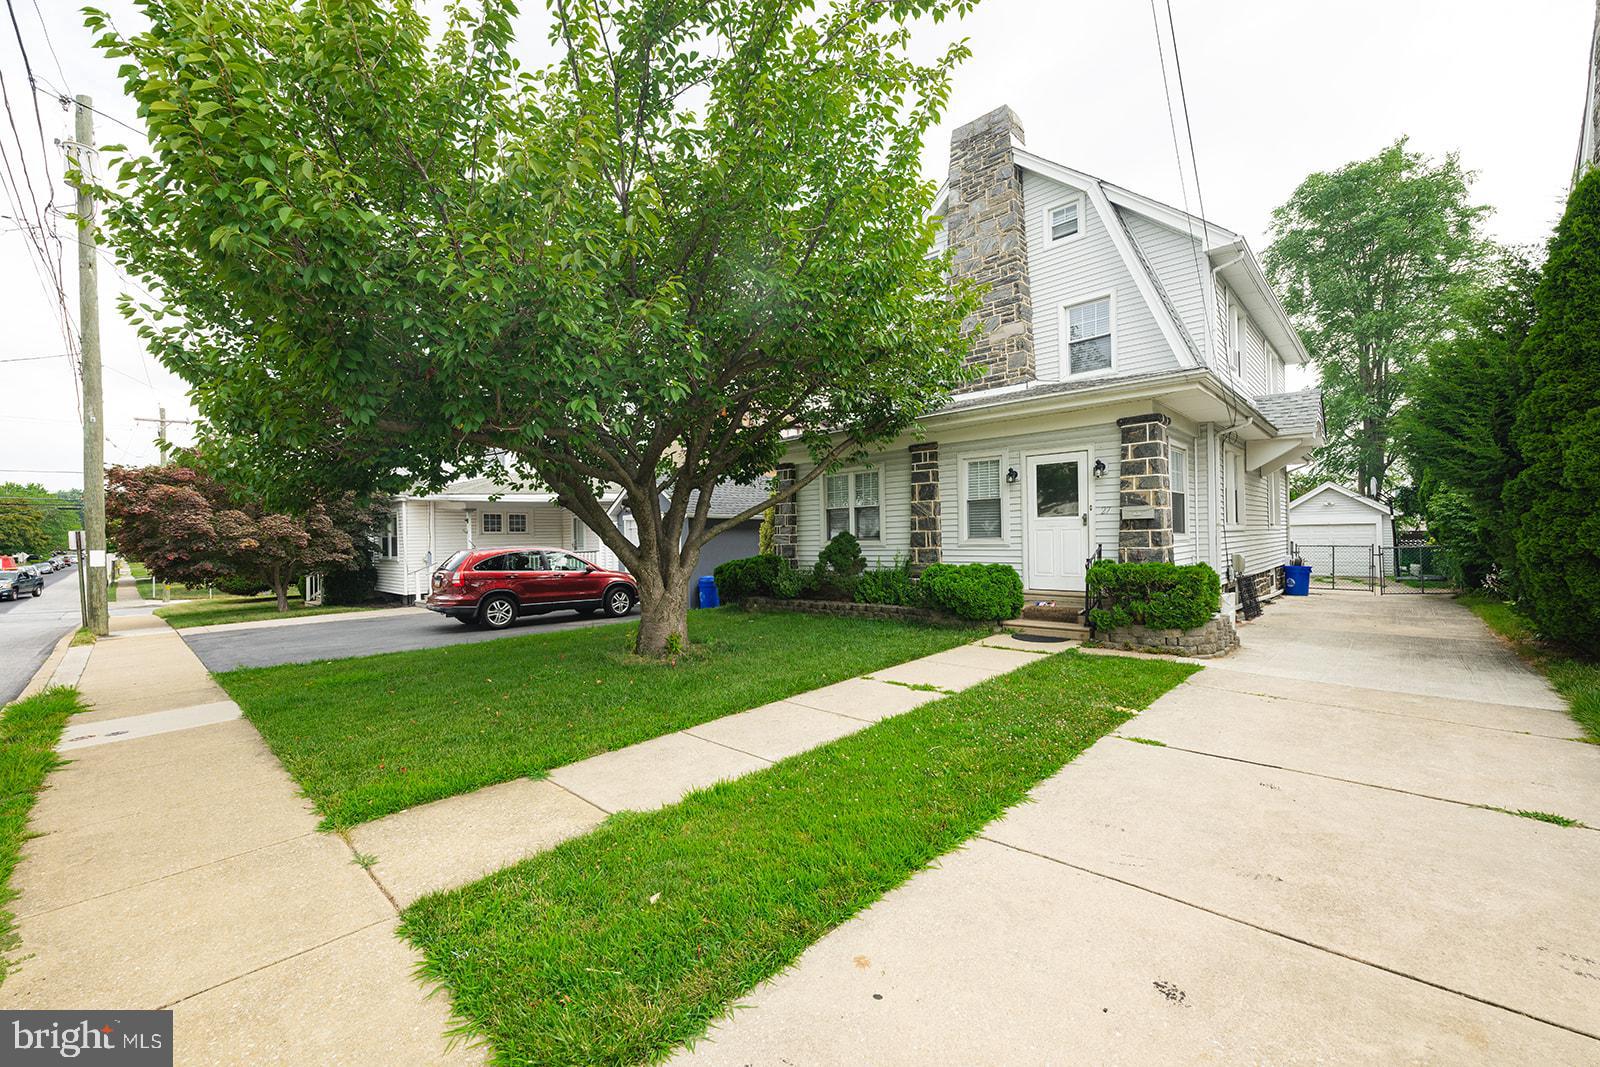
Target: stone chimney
pixel 987 231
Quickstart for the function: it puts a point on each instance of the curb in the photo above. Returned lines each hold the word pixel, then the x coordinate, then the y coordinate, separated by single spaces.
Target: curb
pixel 45 675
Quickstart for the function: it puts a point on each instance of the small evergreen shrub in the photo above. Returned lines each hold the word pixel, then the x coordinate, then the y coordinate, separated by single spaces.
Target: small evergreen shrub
pixel 982 592
pixel 839 566
pixel 241 585
pixel 740 579
pixel 357 585
pixel 1162 596
pixel 893 585
pixel 788 583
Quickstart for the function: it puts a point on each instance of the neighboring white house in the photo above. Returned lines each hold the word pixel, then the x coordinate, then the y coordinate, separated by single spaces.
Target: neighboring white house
pixel 1333 515
pixel 1130 400
pixel 425 529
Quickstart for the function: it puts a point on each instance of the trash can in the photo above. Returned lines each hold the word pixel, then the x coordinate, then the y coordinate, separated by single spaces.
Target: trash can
pixel 708 592
pixel 1296 580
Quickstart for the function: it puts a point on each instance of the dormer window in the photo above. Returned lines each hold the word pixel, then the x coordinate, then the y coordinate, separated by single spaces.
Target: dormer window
pixel 1063 221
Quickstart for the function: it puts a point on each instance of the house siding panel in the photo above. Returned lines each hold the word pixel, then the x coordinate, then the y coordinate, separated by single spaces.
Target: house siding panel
pixel 894 502
pixel 1180 268
pixel 1082 268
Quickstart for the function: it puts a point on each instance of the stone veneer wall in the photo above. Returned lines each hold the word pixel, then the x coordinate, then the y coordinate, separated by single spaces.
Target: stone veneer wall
pixel 1145 475
pixel 853 610
pixel 1216 638
pixel 785 516
pixel 926 533
pixel 987 232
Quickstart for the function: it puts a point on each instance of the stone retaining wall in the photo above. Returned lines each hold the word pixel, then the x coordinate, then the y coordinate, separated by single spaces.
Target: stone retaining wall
pixel 1216 638
pixel 851 609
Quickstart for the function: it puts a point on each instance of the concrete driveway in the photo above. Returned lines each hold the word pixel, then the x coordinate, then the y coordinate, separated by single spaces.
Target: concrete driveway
pixel 314 637
pixel 1306 866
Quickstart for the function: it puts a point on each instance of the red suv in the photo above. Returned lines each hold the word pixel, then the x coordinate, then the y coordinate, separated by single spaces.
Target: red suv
pixel 493 586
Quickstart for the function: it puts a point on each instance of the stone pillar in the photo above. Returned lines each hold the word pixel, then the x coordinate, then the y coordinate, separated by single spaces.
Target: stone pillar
pixel 785 515
pixel 987 231
pixel 1145 474
pixel 927 538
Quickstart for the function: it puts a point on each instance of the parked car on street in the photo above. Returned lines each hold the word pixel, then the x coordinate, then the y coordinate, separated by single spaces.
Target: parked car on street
pixel 493 587
pixel 14 583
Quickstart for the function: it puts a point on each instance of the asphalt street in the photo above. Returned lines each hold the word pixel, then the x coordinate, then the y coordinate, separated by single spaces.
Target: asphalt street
pixel 341 636
pixel 30 628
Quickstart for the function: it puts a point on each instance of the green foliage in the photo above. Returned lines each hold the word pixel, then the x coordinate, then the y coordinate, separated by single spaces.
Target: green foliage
pixel 29 730
pixel 35 520
pixel 766 534
pixel 240 585
pixel 891 585
pixel 983 592
pixel 838 568
pixel 1371 261
pixel 1162 596
pixel 1557 434
pixel 740 579
pixel 350 586
pixel 1456 433
pixel 389 253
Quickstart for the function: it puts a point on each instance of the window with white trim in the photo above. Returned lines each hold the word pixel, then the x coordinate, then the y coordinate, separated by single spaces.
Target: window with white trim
pixel 1233 487
pixel 1274 501
pixel 1180 490
pixel 981 499
pixel 850 504
pixel 1089 336
pixel 517 523
pixel 492 522
pixel 580 535
pixel 1236 342
pixel 389 537
pixel 1063 221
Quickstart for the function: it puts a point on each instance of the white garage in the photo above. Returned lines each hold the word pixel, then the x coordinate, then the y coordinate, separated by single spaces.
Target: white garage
pixel 1333 515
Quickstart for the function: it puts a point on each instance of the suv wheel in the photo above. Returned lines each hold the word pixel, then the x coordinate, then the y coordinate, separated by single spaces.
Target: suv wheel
pixel 619 601
pixel 498 612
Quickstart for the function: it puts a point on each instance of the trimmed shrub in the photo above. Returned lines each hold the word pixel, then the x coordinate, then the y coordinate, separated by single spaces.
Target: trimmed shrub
pixel 740 579
pixel 893 585
pixel 839 566
pixel 788 583
pixel 1162 596
pixel 240 585
pixel 982 592
pixel 357 585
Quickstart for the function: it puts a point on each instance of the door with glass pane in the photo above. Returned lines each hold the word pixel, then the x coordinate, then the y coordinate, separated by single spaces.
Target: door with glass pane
pixel 1055 540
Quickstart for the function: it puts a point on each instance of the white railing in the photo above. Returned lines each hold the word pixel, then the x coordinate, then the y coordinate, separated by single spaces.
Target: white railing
pixel 313 589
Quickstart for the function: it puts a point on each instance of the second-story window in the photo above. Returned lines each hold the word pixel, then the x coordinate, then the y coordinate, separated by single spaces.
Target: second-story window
pixel 1089 336
pixel 1180 491
pixel 1063 221
pixel 1236 343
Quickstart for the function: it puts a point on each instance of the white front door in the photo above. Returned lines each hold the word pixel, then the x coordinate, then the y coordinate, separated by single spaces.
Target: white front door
pixel 1055 538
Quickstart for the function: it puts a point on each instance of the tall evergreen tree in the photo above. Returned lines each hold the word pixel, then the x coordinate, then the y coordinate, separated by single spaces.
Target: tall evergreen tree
pixel 1555 498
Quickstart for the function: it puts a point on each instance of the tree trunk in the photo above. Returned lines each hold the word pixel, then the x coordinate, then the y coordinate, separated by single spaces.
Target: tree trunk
pixel 280 589
pixel 663 610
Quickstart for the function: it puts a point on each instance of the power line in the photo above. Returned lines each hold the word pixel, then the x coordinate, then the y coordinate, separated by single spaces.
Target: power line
pixel 33 359
pixel 66 99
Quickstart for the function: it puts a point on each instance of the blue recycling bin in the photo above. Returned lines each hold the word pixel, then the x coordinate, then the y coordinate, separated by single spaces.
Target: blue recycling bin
pixel 708 592
pixel 1297 580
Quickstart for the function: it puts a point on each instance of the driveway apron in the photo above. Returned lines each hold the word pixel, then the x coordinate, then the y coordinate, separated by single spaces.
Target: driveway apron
pixel 1296 856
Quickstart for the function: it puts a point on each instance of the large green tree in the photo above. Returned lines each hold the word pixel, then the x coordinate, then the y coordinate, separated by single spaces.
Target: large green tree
pixel 1371 261
pixel 1557 433
pixel 1455 431
pixel 397 257
pixel 35 520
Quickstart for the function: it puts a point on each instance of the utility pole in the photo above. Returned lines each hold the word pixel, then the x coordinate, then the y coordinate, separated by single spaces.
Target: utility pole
pixel 162 422
pixel 94 482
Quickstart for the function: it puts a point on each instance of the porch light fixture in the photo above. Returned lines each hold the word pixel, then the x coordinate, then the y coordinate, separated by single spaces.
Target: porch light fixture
pixel 1099 468
pixel 1011 476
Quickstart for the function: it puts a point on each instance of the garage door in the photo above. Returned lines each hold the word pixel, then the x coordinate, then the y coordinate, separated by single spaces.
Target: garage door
pixel 1334 534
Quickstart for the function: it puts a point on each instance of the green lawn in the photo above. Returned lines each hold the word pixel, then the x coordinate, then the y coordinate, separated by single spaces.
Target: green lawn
pixel 370 736
pixel 221 609
pixel 29 730
pixel 151 589
pixel 618 946
pixel 1575 679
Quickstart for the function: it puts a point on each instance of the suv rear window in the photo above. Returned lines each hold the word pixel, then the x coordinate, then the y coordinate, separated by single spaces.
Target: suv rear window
pixel 454 561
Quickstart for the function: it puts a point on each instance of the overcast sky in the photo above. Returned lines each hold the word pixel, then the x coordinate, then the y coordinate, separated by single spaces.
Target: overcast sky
pixel 1276 89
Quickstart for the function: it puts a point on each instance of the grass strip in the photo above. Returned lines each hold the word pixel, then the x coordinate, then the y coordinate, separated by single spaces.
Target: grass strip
pixel 1577 680
pixel 29 730
pixel 370 736
pixel 222 609
pixel 620 945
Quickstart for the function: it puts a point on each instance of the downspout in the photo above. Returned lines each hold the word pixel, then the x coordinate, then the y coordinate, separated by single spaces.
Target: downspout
pixel 1211 301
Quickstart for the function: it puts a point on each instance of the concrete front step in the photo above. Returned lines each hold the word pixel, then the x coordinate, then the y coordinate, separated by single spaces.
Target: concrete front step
pixel 1072 631
pixel 1052 607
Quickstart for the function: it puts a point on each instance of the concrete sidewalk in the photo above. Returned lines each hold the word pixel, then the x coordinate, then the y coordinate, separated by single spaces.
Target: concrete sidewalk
pixel 1305 868
pixel 179 868
pixel 460 839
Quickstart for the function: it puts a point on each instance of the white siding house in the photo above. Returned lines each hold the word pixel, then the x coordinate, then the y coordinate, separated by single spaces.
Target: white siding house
pixel 1128 399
